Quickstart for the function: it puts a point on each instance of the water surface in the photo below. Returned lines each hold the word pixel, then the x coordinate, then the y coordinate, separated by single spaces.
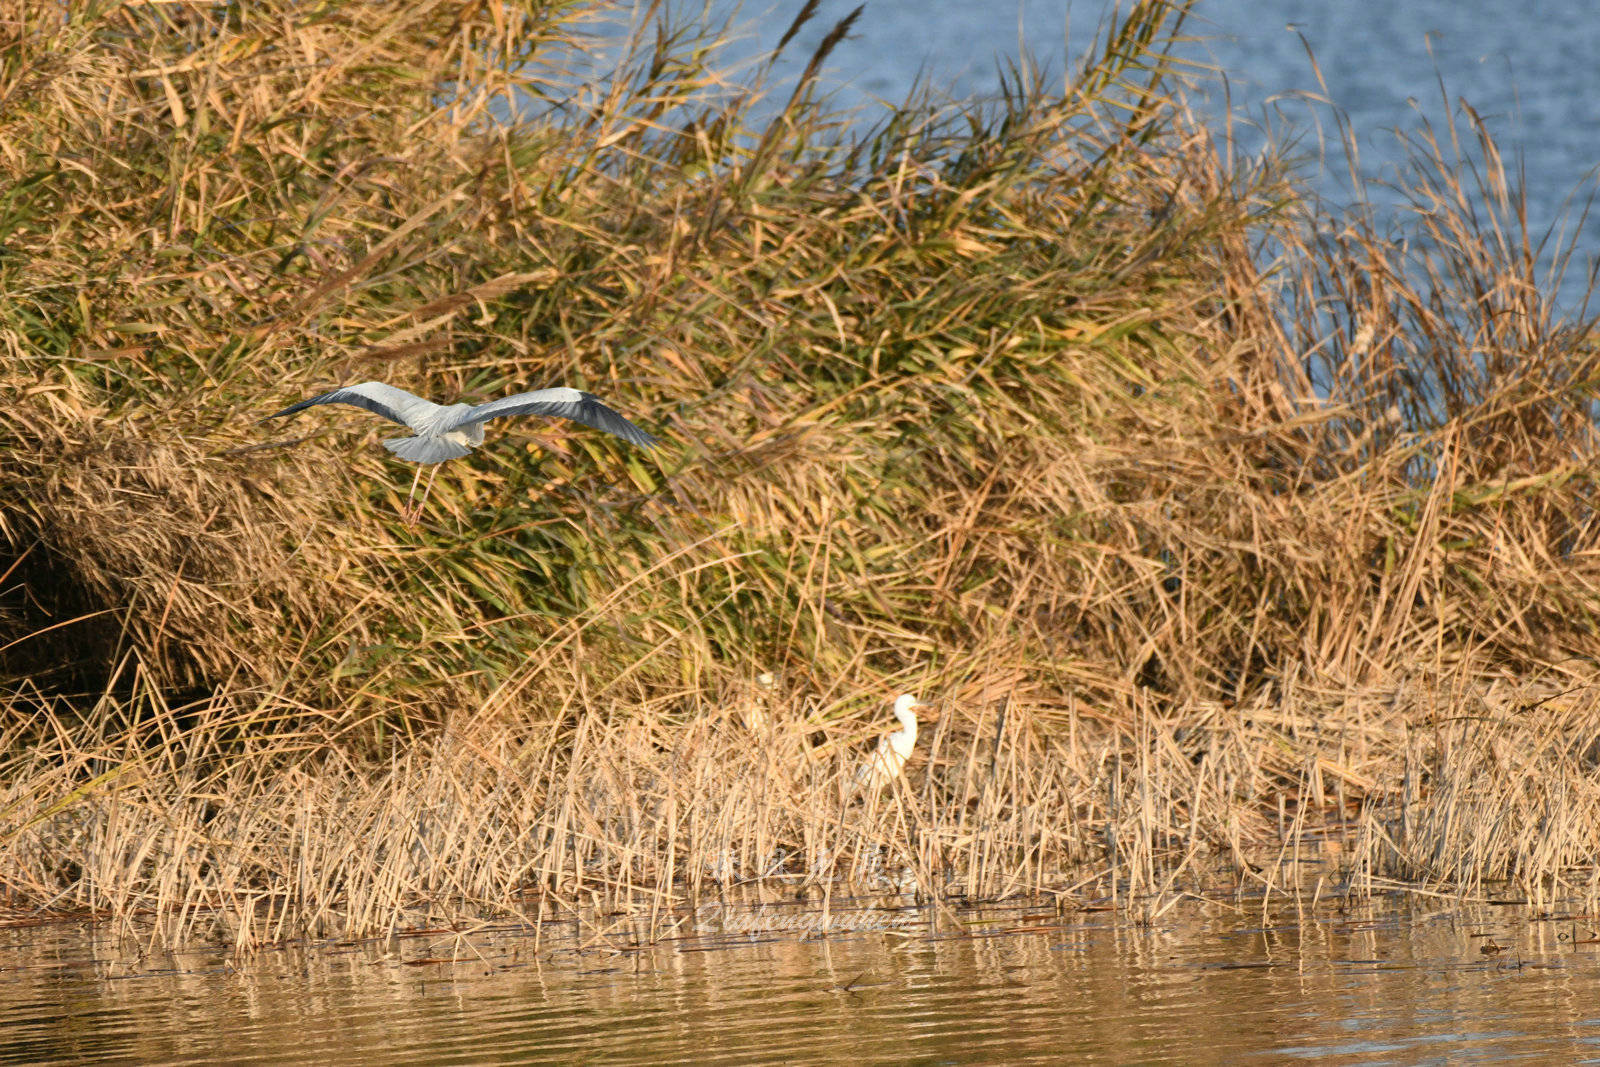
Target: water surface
pixel 1384 984
pixel 1526 68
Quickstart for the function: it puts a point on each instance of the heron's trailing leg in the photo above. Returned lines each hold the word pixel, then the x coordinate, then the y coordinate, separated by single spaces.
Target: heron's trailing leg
pixel 411 516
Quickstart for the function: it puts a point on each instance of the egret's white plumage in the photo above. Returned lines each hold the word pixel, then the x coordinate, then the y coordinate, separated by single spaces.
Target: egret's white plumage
pixel 894 749
pixel 757 703
pixel 443 432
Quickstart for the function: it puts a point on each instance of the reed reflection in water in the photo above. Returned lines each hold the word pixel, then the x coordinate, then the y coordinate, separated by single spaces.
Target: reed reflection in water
pixel 1013 984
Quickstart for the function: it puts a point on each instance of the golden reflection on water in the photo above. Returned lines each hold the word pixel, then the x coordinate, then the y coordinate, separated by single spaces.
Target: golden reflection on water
pixel 1208 982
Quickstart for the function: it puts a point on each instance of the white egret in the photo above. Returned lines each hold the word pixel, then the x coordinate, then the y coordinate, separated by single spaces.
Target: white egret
pixel 450 432
pixel 757 704
pixel 889 758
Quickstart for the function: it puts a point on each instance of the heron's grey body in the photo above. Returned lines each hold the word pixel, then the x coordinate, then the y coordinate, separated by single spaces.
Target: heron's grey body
pixel 450 432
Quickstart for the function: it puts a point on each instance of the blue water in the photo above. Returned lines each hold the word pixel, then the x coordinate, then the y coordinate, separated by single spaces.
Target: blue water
pixel 1528 68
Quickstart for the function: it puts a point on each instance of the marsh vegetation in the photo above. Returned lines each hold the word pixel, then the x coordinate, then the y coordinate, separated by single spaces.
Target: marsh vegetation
pixel 1221 528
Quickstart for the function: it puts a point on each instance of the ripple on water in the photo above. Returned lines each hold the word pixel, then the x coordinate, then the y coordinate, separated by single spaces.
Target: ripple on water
pixel 1400 984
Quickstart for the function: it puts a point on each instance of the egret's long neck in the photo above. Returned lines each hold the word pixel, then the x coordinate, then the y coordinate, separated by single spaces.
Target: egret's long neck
pixel 908 725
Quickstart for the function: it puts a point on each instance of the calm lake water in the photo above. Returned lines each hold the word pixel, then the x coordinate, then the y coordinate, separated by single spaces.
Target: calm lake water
pixel 1526 67
pixel 1206 983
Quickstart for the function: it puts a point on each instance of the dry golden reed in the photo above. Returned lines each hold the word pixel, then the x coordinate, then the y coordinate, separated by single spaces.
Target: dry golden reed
pixel 1224 530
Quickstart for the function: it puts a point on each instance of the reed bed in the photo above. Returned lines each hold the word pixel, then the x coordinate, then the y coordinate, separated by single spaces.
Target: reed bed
pixel 1225 530
pixel 228 831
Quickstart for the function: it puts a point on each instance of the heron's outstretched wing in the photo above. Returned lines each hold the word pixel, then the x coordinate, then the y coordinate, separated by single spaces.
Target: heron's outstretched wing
pixel 380 399
pixel 571 404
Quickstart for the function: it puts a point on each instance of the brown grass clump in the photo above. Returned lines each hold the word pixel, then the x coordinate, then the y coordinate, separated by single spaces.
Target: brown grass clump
pixel 1225 530
pixel 229 823
pixel 867 354
pixel 103 513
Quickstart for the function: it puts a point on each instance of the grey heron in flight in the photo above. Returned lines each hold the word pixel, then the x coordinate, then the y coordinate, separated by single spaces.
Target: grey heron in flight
pixel 441 432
